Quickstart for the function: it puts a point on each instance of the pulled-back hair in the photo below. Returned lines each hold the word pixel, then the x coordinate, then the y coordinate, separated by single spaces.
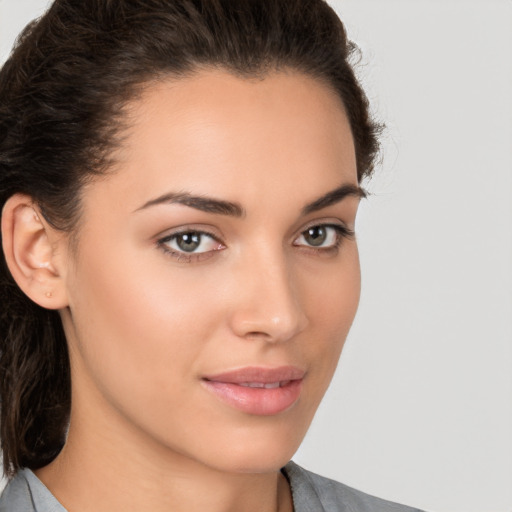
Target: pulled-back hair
pixel 62 93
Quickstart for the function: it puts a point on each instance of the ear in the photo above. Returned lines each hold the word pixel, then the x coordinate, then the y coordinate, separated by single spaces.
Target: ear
pixel 34 252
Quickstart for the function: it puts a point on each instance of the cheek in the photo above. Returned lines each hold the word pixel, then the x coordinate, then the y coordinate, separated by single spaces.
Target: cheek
pixel 145 329
pixel 333 293
pixel 332 304
pixel 136 322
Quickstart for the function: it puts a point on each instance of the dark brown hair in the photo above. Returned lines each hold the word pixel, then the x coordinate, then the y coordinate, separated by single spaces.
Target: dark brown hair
pixel 61 96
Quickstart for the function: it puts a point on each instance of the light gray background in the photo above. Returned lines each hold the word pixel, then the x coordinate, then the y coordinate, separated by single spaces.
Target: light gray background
pixel 420 410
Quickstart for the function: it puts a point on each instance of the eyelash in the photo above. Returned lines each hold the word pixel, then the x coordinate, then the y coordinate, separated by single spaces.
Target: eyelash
pixel 182 256
pixel 341 233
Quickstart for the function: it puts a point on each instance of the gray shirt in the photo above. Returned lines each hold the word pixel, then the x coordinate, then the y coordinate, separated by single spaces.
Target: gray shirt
pixel 311 493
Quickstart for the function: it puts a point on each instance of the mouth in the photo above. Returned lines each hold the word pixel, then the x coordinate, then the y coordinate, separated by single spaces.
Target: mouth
pixel 256 390
pixel 267 385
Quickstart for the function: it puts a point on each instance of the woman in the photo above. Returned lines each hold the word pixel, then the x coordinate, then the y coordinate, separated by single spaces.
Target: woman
pixel 179 183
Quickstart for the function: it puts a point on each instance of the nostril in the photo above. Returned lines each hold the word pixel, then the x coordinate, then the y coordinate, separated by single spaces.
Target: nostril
pixel 258 334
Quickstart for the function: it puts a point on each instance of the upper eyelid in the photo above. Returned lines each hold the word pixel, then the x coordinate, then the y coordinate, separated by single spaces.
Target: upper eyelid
pixel 213 233
pixel 170 233
pixel 341 232
pixel 334 223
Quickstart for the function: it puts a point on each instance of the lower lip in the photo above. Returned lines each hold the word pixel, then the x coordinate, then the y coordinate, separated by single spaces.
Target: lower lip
pixel 257 401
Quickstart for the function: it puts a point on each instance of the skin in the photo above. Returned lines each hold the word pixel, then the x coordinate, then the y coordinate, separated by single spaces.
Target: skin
pixel 145 325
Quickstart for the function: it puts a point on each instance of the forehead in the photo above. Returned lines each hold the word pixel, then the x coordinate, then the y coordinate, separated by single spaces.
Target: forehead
pixel 235 138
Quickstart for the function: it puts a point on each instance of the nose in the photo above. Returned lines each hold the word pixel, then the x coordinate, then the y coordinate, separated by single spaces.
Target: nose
pixel 267 302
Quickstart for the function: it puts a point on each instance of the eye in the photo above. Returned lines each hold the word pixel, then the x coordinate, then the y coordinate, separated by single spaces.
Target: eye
pixel 323 236
pixel 189 243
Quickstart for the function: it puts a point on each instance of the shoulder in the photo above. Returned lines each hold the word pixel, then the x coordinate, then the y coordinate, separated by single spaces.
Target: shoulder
pixel 315 493
pixel 17 495
pixel 26 493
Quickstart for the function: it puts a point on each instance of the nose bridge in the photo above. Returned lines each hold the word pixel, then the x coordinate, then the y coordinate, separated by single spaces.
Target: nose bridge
pixel 269 304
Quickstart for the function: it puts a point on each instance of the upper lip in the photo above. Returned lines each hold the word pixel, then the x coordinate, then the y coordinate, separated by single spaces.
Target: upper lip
pixel 264 375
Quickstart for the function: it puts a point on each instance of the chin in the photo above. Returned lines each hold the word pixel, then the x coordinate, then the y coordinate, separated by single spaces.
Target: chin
pixel 254 450
pixel 252 462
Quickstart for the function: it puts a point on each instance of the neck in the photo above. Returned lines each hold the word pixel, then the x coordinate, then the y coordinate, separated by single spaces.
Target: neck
pixel 103 468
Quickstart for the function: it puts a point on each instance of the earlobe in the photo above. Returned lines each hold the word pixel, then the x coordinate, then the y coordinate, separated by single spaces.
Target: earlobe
pixel 30 249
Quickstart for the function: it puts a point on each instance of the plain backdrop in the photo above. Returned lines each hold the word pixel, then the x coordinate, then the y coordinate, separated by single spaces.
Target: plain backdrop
pixel 420 410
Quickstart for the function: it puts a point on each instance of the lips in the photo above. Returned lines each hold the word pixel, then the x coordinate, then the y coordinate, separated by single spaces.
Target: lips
pixel 257 390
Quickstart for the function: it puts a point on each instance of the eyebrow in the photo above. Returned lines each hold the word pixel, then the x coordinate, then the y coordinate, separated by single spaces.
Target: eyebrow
pixel 232 209
pixel 205 204
pixel 335 196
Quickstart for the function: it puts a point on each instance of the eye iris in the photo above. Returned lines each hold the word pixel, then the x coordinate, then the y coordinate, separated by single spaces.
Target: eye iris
pixel 315 236
pixel 188 242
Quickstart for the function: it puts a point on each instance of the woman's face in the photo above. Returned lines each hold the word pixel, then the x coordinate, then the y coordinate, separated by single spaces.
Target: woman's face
pixel 216 274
